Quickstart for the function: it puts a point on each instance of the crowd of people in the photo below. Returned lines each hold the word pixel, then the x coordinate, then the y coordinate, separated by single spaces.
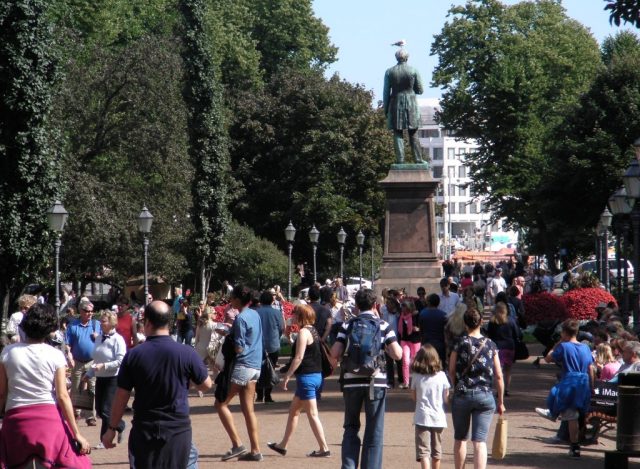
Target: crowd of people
pixel 444 347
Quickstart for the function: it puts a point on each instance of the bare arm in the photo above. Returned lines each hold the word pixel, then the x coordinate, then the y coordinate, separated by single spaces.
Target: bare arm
pixel 205 385
pixel 327 328
pixel 497 371
pixel 394 350
pixel 64 402
pixel 453 358
pixel 134 331
pixel 337 350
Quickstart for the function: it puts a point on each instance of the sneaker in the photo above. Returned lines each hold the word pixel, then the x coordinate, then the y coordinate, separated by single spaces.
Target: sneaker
pixel 91 422
pixel 251 457
pixel 545 413
pixel 554 440
pixel 234 452
pixel 574 452
pixel 99 446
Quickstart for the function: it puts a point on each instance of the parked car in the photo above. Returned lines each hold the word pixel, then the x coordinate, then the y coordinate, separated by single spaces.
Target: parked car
pixel 559 280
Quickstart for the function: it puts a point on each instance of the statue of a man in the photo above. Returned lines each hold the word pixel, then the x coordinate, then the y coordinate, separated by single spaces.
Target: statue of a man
pixel 401 85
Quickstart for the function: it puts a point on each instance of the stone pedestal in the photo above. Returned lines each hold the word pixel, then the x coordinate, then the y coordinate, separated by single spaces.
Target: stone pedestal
pixel 410 257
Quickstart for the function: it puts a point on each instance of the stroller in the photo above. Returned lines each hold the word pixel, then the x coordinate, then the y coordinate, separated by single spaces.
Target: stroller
pixel 546 332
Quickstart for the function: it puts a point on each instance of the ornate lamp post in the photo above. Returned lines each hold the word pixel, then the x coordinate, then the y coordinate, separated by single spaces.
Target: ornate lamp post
pixel 373 281
pixel 605 222
pixel 314 234
pixel 621 207
pixel 57 217
pixel 360 241
pixel 342 237
pixel 145 219
pixel 631 181
pixel 289 234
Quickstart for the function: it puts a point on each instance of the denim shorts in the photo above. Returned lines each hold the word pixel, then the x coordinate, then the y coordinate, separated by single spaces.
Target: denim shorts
pixel 474 407
pixel 308 386
pixel 241 375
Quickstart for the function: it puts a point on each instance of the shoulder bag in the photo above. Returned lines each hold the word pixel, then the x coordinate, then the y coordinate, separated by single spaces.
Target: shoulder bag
pixel 325 354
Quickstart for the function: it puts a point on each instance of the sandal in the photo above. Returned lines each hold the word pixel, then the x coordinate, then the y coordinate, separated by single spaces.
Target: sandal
pixel 277 449
pixel 319 454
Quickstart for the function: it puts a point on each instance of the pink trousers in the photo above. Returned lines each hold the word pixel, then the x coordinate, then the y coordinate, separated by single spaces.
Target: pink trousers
pixel 409 350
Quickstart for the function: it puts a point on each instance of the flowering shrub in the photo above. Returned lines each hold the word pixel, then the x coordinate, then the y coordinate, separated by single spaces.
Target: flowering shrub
pixel 581 302
pixel 543 306
pixel 287 308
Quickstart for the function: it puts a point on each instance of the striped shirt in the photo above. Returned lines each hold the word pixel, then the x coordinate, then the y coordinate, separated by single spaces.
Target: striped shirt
pixel 387 337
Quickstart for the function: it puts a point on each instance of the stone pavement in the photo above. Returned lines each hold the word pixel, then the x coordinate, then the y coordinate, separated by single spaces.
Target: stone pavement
pixel 526 446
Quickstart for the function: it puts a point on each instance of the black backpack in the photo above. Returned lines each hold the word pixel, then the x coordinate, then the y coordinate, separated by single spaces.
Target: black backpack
pixel 364 355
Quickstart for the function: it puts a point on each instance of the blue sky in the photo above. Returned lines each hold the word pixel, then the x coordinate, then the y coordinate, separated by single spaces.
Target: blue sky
pixel 364 29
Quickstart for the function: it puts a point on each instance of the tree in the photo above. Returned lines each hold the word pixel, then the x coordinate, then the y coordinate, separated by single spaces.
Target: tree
pixel 595 146
pixel 505 87
pixel 208 145
pixel 122 113
pixel 309 150
pixel 29 150
pixel 627 11
pixel 288 35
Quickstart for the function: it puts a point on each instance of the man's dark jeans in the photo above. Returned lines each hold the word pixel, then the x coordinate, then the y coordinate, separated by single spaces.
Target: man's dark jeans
pixel 390 374
pixel 105 392
pixel 354 399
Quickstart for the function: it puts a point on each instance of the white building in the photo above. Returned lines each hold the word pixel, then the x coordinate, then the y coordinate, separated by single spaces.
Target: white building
pixel 464 220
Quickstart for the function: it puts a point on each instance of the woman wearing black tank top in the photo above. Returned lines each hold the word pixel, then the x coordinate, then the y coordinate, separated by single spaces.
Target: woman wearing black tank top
pixel 306 365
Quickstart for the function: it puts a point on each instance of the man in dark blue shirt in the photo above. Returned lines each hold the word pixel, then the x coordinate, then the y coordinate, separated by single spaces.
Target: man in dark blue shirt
pixel 160 370
pixel 432 322
pixel 272 321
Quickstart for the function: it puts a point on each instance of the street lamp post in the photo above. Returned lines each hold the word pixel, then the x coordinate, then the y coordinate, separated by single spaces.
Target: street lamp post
pixel 289 234
pixel 621 207
pixel 631 181
pixel 342 237
pixel 57 217
pixel 145 219
pixel 360 241
pixel 372 275
pixel 314 234
pixel 605 222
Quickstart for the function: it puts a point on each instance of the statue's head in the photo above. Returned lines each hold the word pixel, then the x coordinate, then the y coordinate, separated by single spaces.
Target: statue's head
pixel 402 56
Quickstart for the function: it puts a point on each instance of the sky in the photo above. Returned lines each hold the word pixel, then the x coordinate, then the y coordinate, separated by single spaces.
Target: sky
pixel 363 31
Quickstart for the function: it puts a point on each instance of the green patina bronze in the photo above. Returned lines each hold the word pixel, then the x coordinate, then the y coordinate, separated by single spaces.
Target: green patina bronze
pixel 401 85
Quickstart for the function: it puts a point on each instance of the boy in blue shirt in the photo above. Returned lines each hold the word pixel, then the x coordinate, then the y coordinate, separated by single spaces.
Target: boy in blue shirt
pixel 572 394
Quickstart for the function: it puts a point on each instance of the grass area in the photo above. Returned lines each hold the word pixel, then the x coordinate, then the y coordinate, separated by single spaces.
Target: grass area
pixel 285 350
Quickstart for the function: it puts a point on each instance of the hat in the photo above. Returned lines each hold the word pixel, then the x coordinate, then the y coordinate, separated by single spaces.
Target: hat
pixel 85 303
pixel 602 305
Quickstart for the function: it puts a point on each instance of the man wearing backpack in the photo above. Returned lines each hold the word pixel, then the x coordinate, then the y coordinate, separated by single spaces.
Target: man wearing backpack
pixel 363 341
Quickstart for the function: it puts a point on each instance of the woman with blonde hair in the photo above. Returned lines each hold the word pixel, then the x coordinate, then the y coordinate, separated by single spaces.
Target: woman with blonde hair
pixel 606 364
pixel 504 332
pixel 306 365
pixel 24 303
pixel 455 326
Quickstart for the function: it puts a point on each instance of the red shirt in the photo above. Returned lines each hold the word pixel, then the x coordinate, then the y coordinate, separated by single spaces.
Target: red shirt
pixel 125 323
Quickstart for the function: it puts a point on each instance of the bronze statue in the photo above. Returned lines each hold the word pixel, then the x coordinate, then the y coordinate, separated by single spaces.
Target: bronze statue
pixel 401 85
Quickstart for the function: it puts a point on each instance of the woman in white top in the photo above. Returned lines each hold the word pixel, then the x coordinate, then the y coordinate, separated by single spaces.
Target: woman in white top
pixel 204 329
pixel 108 353
pixel 24 303
pixel 38 416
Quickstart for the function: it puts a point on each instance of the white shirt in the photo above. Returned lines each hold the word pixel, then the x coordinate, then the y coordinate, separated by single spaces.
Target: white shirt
pixel 31 370
pixel 109 352
pixel 448 303
pixel 497 285
pixel 14 322
pixel 430 399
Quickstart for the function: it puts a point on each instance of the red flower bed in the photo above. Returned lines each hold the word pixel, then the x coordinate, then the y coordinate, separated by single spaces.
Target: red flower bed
pixel 543 306
pixel 287 308
pixel 581 302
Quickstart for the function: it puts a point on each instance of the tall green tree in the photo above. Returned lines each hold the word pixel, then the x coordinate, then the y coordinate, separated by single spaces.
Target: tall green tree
pixel 124 120
pixel 627 11
pixel 595 145
pixel 309 150
pixel 29 156
pixel 208 143
pixel 505 86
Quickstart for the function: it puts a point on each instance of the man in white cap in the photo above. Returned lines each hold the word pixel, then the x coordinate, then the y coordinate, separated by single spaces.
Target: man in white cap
pixel 81 336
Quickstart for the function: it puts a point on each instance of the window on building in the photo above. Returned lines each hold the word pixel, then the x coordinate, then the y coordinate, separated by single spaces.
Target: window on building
pixel 473 208
pixel 462 191
pixel 437 153
pixel 425 153
pixel 451 172
pixel 462 171
pixel 428 133
pixel 451 153
pixel 439 191
pixel 448 133
pixel 452 190
pixel 452 207
pixel 462 206
pixel 482 207
pixel 437 171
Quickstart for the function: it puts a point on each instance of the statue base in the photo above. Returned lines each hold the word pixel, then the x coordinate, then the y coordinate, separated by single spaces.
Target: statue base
pixel 410 257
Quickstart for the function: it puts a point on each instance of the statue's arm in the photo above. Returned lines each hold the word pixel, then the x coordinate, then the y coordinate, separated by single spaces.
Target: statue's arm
pixel 418 87
pixel 386 92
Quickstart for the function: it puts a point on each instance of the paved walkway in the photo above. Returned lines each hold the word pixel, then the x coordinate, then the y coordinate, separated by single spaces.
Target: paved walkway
pixel 526 448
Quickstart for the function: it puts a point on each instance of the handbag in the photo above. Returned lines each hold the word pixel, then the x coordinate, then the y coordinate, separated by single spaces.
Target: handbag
pixel 325 355
pixel 521 352
pixel 268 375
pixel 499 448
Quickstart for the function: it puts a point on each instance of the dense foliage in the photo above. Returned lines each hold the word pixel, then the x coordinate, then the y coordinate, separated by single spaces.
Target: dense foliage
pixel 29 148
